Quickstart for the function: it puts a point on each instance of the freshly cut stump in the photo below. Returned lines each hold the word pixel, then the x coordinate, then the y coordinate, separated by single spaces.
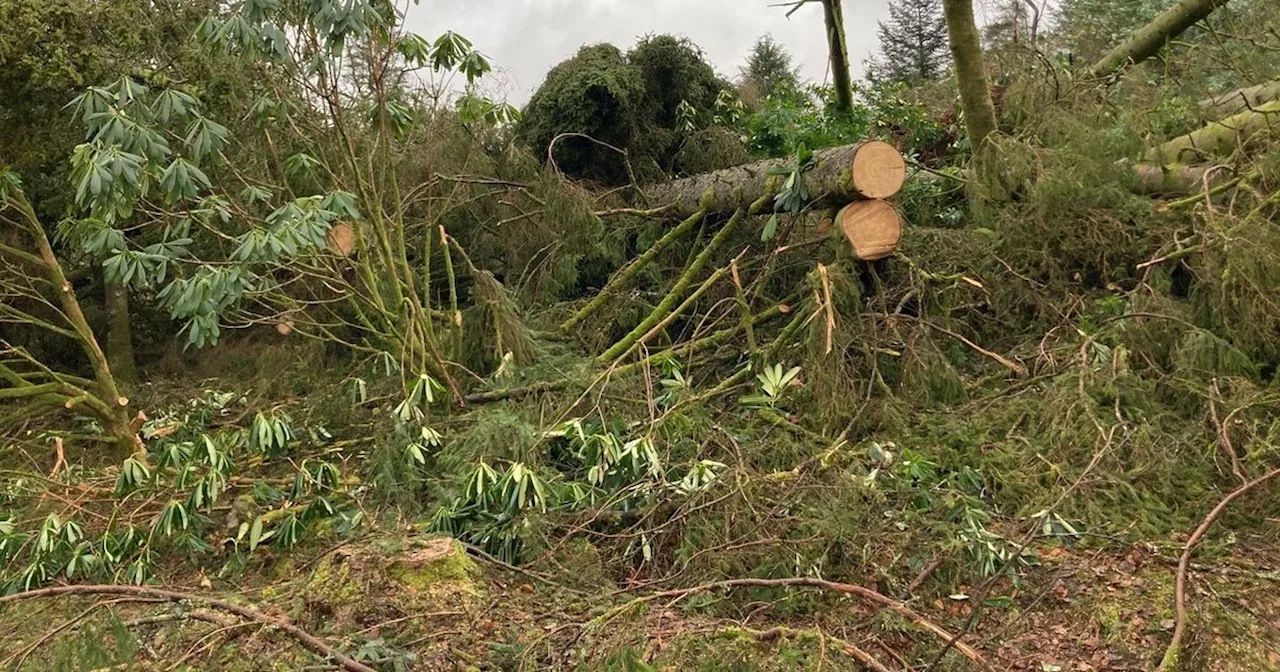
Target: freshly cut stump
pixel 877 170
pixel 873 228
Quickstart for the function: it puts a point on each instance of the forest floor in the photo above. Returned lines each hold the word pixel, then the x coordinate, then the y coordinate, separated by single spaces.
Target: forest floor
pixel 1078 610
pixel 397 596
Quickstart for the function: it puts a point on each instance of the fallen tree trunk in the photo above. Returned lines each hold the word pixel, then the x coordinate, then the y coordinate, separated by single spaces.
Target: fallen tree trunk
pixel 1247 98
pixel 1151 38
pixel 1177 180
pixel 839 175
pixel 1220 138
pixel 1152 179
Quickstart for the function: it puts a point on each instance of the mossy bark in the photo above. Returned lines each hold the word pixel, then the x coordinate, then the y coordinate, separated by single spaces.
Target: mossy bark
pixel 99 397
pixel 833 181
pixel 971 72
pixel 120 334
pixel 833 15
pixel 1151 38
pixel 1220 138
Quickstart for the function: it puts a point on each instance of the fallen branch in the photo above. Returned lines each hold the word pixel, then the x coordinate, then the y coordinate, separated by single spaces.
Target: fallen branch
pixel 1171 654
pixel 673 298
pixel 627 274
pixel 491 396
pixel 1220 138
pixel 806 582
pixel 1018 369
pixel 1249 97
pixel 864 658
pixel 308 640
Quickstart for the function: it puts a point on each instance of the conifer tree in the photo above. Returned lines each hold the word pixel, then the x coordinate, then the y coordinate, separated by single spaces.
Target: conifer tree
pixel 913 44
pixel 769 68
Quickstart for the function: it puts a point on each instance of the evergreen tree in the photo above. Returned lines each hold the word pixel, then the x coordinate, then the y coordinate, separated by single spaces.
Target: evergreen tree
pixel 768 69
pixel 913 44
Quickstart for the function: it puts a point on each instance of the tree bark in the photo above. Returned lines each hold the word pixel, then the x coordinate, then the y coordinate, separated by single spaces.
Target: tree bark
pixel 104 400
pixel 971 72
pixel 1151 38
pixel 1214 108
pixel 120 334
pixel 833 14
pixel 1158 180
pixel 1220 138
pixel 841 174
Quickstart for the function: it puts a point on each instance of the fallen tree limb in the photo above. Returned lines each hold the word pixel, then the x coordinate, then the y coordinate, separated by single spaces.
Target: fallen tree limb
pixel 1247 98
pixel 673 298
pixel 631 270
pixel 1170 659
pixel 852 650
pixel 491 396
pixel 1151 38
pixel 806 582
pixel 1219 138
pixel 308 640
pixel 839 175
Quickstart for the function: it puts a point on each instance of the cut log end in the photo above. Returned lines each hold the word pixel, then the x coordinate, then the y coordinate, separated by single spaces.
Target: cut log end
pixel 878 170
pixel 341 239
pixel 873 228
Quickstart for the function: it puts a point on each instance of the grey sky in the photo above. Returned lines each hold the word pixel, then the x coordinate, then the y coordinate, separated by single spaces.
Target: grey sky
pixel 525 38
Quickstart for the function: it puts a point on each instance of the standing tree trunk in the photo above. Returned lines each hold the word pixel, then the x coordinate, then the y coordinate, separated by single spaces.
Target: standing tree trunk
pixel 1151 38
pixel 98 396
pixel 833 13
pixel 120 334
pixel 971 72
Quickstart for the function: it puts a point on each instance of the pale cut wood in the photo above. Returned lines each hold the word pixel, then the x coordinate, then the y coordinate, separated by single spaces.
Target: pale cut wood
pixel 341 239
pixel 873 228
pixel 878 170
pixel 839 175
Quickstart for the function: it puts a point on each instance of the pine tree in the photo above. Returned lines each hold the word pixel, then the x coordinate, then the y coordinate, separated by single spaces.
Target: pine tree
pixel 913 44
pixel 768 69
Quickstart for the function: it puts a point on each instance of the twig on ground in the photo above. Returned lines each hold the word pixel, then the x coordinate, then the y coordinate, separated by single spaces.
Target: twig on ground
pixel 846 588
pixel 305 638
pixel 1172 653
pixel 866 659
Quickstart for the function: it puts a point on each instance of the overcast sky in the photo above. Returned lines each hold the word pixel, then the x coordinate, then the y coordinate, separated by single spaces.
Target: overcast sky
pixel 525 38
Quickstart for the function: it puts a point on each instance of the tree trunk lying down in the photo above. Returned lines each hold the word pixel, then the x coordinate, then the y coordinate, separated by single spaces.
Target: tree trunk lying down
pixel 840 175
pixel 1220 138
pixel 1247 98
pixel 1151 38
pixel 1177 180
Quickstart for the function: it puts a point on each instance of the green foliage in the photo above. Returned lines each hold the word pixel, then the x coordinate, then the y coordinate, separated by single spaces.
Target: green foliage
pixel 595 93
pixel 644 102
